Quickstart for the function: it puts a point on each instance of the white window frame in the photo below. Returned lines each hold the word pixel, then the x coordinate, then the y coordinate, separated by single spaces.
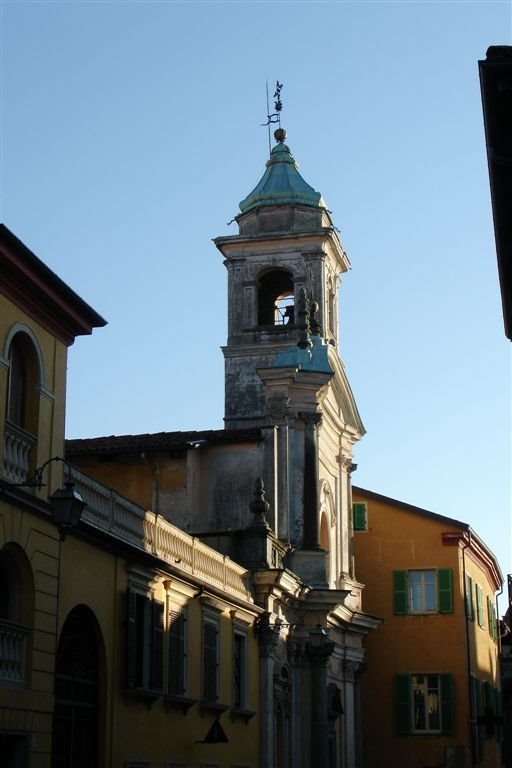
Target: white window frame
pixel 426 696
pixel 413 607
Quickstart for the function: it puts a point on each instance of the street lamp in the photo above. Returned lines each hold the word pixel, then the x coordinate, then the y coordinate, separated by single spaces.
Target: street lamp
pixel 66 503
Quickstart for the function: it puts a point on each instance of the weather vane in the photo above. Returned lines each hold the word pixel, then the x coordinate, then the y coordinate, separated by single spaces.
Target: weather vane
pixel 275 117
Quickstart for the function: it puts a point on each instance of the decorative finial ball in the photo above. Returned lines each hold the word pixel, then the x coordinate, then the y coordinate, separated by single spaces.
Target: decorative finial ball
pixel 280 135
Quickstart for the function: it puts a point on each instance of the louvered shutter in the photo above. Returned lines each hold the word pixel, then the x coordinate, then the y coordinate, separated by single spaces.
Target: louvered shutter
pixel 210 652
pixel 157 646
pixel 447 704
pixel 400 602
pixel 499 715
pixel 177 653
pixel 403 691
pixel 445 590
pixel 359 516
pixel 479 605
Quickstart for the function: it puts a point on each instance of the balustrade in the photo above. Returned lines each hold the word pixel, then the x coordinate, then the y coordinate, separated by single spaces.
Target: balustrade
pixel 12 651
pixel 121 518
pixel 17 447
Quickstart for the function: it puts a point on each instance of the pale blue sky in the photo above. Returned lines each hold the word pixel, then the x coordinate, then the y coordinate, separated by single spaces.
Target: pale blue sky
pixel 130 132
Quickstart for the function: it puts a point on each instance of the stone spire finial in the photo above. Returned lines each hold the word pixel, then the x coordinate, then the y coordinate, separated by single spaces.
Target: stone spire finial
pixel 313 321
pixel 259 506
pixel 302 320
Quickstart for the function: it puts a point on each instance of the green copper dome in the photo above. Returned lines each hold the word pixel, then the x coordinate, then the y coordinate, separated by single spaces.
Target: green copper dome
pixel 281 184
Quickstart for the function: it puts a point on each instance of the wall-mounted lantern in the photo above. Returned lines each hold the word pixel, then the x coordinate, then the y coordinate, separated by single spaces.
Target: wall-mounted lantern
pixel 66 503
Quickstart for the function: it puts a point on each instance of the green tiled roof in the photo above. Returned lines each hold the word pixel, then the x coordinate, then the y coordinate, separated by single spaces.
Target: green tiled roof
pixel 281 184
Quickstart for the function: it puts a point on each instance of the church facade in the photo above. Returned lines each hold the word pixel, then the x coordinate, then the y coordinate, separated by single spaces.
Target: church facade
pixel 272 490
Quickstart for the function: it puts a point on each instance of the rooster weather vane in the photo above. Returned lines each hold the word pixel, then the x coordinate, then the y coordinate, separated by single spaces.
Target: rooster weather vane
pixel 275 117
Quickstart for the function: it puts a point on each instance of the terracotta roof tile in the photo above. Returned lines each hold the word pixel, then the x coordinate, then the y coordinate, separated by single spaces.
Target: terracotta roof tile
pixel 157 441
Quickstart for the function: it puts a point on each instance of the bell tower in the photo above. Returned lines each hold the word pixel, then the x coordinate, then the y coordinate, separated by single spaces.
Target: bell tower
pixel 283 372
pixel 286 243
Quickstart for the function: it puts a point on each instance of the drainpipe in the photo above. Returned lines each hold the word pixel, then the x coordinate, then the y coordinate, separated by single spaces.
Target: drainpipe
pixel 472 714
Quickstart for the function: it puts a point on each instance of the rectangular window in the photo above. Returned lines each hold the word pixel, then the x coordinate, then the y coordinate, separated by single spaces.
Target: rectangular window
pixel 359 516
pixel 239 669
pixel 425 591
pixel 479 605
pixel 422 591
pixel 470 601
pixel 145 642
pixel 210 659
pixel 424 703
pixel 177 667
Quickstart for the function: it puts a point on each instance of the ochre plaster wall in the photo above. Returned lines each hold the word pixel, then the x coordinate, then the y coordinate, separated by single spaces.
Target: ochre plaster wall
pixel 397 539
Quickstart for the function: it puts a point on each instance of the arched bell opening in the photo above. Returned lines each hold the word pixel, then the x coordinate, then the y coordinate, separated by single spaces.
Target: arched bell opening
pixel 276 298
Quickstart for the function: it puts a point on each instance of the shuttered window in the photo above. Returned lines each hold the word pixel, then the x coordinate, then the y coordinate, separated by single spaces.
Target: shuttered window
pixel 427 591
pixel 479 605
pixel 470 601
pixel 424 703
pixel 239 669
pixel 477 731
pixel 177 652
pixel 210 660
pixel 359 516
pixel 491 619
pixel 145 638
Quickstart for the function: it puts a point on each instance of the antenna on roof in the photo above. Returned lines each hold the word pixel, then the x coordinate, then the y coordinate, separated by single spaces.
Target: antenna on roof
pixel 275 117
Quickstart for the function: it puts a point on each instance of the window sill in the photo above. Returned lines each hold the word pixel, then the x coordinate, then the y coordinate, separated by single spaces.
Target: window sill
pixel 212 708
pixel 142 694
pixel 238 713
pixel 177 701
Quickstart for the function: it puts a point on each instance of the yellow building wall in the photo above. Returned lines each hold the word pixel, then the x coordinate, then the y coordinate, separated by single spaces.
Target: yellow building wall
pixel 435 643
pixel 59 576
pixel 28 708
pixel 135 730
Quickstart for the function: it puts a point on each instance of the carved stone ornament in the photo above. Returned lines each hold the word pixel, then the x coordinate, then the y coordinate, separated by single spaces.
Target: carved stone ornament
pixel 277 407
pixel 259 506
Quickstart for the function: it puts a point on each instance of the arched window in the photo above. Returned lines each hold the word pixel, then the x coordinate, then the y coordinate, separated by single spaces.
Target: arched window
pixel 276 298
pixel 22 406
pixel 75 720
pixel 16 614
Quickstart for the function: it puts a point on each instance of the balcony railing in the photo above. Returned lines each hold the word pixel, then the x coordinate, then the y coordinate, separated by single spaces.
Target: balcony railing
pixel 13 639
pixel 17 447
pixel 112 513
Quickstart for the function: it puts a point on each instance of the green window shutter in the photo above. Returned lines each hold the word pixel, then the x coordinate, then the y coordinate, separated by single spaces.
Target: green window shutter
pixel 499 714
pixel 359 516
pixel 479 728
pixel 400 602
pixel 445 590
pixel 470 603
pixel 479 605
pixel 447 704
pixel 490 617
pixel 403 692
